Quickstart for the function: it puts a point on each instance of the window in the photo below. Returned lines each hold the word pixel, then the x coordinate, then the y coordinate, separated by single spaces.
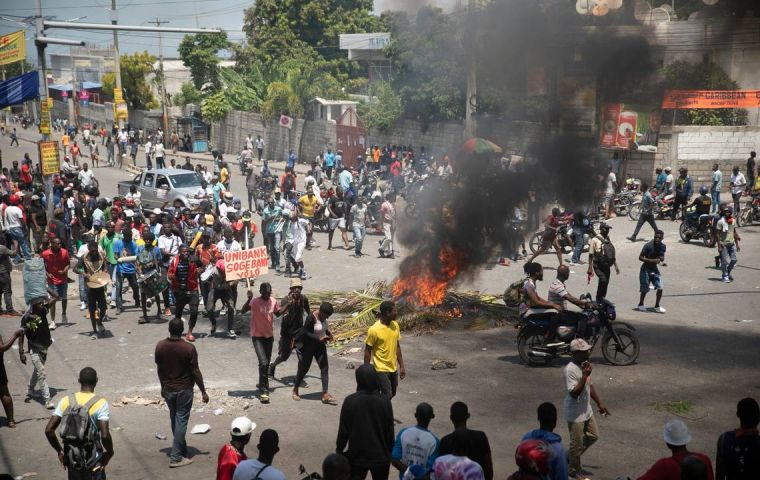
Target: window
pixel 162 182
pixel 148 181
pixel 186 180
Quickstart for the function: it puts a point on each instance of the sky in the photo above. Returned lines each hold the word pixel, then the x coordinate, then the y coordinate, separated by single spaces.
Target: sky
pixel 225 14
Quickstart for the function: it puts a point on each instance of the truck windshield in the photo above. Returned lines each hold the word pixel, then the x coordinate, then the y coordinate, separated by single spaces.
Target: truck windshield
pixel 186 180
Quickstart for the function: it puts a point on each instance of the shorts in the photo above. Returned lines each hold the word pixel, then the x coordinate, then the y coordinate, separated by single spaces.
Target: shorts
pixel 62 289
pixel 647 277
pixel 337 223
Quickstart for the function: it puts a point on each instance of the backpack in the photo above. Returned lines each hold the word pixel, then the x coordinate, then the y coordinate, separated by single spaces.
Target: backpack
pixel 80 435
pixel 607 254
pixel 513 295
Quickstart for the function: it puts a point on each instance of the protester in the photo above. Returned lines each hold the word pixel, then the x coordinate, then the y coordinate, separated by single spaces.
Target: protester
pixel 611 186
pixel 676 435
pixel 601 256
pixel 95 272
pixel 34 323
pixel 15 227
pixel 738 454
pixel 148 265
pixel 312 342
pixel 715 187
pixel 337 209
pixel 124 249
pixel 233 452
pixel 57 265
pixel 683 190
pixel 183 275
pixel 388 218
pixel 579 391
pixel 478 448
pixel 738 184
pixel 647 212
pixel 359 220
pixel 416 445
pixel 456 465
pixel 178 371
pixel 5 394
pixel 263 309
pixel 273 221
pixel 261 468
pixel 549 236
pixel 221 289
pixel 294 309
pixel 652 255
pixel 547 421
pixel 87 444
pixel 366 427
pixel 728 243
pixel 383 349
pixel 751 171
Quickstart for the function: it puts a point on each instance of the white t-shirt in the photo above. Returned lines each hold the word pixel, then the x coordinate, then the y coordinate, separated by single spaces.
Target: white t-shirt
pixel 85 178
pixel 123 137
pixel 248 143
pixel 577 409
pixel 170 243
pixel 223 246
pixel 252 469
pixel 259 143
pixel 739 183
pixel 611 179
pixel 13 217
pixel 207 176
pixel 148 148
pixel 159 150
pixel 84 250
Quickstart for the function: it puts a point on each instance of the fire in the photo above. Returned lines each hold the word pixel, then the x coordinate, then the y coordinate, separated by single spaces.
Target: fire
pixel 424 282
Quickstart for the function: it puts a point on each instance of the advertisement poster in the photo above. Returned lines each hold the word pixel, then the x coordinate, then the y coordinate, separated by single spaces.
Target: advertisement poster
pixel 45 117
pixel 630 127
pixel 249 263
pixel 49 158
pixel 12 47
pixel 687 99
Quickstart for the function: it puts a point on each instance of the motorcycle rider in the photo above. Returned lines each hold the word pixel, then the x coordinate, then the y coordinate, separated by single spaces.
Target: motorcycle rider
pixel 532 305
pixel 559 295
pixel 701 206
pixel 683 190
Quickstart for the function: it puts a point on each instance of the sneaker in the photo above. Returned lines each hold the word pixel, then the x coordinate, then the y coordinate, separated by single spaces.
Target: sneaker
pixel 659 310
pixel 149 302
pixel 112 304
pixel 231 334
pixel 181 462
pixel 223 312
pixel 82 307
pixel 212 332
pixel 726 280
pixel 51 325
pixel 304 276
pixel 641 308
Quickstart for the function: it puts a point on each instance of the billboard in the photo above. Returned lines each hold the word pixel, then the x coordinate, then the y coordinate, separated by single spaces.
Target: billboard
pixel 630 127
pixel 12 47
pixel 687 99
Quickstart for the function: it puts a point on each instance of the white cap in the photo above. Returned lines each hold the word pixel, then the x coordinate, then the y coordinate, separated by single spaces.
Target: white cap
pixel 241 427
pixel 676 433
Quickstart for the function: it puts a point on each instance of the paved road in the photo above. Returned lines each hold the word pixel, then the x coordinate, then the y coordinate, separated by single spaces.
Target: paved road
pixel 703 350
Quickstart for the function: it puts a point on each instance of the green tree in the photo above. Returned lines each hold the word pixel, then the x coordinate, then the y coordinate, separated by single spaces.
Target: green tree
pixel 683 75
pixel 109 83
pixel 199 53
pixel 187 94
pixel 281 100
pixel 134 70
pixel 215 106
pixel 383 109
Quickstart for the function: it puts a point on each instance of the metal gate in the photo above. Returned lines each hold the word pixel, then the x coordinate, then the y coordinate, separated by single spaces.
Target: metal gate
pixel 351 138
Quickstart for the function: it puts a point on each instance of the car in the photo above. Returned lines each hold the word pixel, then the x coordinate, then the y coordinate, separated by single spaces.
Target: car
pixel 165 185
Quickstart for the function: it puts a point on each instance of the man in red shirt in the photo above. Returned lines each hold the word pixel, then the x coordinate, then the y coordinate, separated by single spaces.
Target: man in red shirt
pixel 232 453
pixel 57 265
pixel 676 435
pixel 263 309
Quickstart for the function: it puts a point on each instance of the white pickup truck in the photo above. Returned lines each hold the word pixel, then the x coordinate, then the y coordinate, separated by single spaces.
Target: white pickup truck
pixel 157 187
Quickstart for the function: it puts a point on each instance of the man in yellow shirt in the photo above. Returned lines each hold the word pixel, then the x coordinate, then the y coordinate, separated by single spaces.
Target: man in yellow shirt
pixel 383 349
pixel 308 205
pixel 81 462
pixel 224 176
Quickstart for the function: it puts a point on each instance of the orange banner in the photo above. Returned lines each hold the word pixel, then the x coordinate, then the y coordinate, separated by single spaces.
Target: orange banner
pixel 687 99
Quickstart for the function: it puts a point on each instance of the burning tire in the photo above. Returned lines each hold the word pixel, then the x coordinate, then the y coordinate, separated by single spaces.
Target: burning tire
pixel 623 353
pixel 525 343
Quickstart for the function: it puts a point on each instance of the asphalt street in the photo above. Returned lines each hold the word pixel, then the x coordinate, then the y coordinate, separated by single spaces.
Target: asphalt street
pixel 702 351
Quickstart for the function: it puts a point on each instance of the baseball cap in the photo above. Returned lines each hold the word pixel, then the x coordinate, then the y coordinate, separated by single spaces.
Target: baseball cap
pixel 579 345
pixel 241 427
pixel 676 433
pixel 209 219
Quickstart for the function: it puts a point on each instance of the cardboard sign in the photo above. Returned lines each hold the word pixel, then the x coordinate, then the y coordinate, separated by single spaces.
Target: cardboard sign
pixel 249 263
pixel 49 158
pixel 687 99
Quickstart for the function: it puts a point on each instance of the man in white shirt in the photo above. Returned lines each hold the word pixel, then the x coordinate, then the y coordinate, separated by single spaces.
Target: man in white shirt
pixel 261 468
pixel 611 186
pixel 68 168
pixel 248 142
pixel 86 176
pixel 579 391
pixel 16 228
pixel 159 149
pixel 169 245
pixel 738 184
pixel 149 154
pixel 259 146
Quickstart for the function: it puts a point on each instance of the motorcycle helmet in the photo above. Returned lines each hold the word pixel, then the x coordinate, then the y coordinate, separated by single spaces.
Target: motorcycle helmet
pixel 533 456
pixel 703 190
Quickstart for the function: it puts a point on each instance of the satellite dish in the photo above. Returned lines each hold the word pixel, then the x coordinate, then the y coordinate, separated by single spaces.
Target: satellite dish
pixel 642 10
pixel 659 15
pixel 614 4
pixel 710 2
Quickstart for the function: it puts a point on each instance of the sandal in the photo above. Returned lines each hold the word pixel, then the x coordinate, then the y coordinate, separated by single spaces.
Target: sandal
pixel 296 397
pixel 329 400
pixel 11 424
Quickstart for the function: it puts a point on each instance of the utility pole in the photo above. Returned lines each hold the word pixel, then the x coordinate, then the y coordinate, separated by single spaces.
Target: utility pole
pixel 471 104
pixel 73 98
pixel 43 92
pixel 158 23
pixel 117 58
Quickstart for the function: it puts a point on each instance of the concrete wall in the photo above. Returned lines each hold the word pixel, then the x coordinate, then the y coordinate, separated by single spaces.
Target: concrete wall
pixel 438 139
pixel 228 135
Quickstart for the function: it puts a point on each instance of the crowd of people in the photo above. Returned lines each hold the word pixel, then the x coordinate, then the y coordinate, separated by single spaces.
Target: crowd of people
pixel 175 255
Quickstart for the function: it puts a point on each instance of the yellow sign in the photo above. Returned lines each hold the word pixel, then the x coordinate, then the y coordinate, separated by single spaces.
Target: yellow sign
pixel 45 117
pixel 49 158
pixel 12 47
pixel 50 102
pixel 117 96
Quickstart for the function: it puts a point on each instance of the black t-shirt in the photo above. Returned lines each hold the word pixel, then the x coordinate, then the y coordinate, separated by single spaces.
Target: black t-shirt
pixel 651 251
pixel 477 446
pixel 703 203
pixel 337 206
pixel 36 329
pixel 39 214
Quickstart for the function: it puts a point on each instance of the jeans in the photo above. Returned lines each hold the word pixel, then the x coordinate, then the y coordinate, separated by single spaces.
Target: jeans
pixel 180 405
pixel 284 349
pixel 359 232
pixel 160 162
pixel 582 436
pixel 273 247
pixel 96 298
pixel 205 289
pixel 5 290
pixel 225 295
pixel 648 218
pixel 38 380
pixel 168 293
pixel 727 258
pixel 263 348
pixel 737 197
pixel 112 274
pixel 117 287
pixel 17 233
pixel 715 196
pixel 578 241
pixel 189 299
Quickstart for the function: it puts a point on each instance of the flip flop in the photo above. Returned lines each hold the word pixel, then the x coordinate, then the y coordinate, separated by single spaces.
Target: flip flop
pixel 329 400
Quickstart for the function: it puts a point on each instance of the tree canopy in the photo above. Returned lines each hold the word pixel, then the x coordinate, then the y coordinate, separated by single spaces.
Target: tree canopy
pixel 134 70
pixel 200 53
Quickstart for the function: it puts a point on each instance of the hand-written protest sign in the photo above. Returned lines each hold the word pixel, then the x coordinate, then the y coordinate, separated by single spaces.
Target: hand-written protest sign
pixel 246 263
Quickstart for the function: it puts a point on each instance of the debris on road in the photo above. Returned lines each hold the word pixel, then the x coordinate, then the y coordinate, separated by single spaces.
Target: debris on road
pixel 137 400
pixel 160 436
pixel 201 428
pixel 218 411
pixel 350 366
pixel 443 364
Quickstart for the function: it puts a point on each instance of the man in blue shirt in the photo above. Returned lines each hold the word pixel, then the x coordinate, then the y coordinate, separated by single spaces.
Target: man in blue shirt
pixel 329 163
pixel 416 445
pixel 125 247
pixel 547 419
pixel 647 212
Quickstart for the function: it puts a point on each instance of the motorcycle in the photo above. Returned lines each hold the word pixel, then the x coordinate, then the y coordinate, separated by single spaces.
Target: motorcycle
pixel 564 235
pixel 703 230
pixel 751 211
pixel 621 202
pixel 662 208
pixel 619 342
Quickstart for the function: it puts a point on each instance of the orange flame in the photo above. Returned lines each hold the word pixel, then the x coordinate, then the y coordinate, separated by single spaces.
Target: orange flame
pixel 423 282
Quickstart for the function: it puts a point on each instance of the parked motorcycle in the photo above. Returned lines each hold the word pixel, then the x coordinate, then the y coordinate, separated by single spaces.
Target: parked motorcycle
pixel 751 211
pixel 702 230
pixel 662 208
pixel 621 202
pixel 619 342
